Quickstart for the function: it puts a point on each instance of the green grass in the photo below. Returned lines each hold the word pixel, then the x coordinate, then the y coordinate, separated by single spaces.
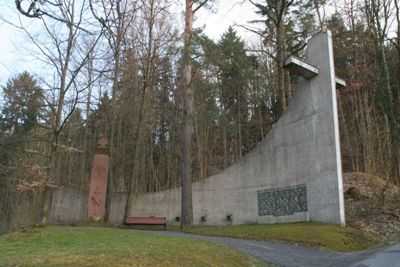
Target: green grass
pixel 86 246
pixel 321 235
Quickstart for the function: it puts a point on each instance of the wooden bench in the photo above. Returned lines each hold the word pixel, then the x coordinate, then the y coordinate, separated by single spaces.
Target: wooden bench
pixel 146 221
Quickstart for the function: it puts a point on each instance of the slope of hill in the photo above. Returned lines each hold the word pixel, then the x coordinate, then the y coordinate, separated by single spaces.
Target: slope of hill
pixel 372 205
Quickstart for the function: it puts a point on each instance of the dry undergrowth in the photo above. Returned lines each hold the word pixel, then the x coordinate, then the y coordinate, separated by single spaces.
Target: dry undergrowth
pixel 372 205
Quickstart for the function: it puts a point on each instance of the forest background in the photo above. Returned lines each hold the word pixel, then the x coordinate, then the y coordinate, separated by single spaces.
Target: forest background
pixel 117 69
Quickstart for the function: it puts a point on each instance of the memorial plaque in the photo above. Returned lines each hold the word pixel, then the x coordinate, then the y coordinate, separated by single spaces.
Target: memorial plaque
pixel 282 201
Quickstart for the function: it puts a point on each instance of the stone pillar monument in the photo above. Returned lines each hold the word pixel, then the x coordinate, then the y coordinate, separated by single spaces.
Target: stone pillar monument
pixel 98 182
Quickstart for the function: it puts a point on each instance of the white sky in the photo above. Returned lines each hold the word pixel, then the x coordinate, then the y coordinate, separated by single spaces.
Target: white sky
pixel 13 55
pixel 228 13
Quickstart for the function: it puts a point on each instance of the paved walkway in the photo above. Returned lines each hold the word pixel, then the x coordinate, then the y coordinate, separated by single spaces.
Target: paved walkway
pixel 386 257
pixel 295 255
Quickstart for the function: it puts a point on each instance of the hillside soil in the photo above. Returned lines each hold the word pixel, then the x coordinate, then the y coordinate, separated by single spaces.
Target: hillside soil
pixel 372 205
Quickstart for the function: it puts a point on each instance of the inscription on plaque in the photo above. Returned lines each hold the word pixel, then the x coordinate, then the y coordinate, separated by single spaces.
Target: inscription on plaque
pixel 282 201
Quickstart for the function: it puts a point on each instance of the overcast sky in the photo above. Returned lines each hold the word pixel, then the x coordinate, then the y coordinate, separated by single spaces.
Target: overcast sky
pixel 14 58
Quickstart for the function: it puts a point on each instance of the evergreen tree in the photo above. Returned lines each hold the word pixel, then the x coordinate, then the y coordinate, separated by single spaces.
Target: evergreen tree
pixel 287 23
pixel 235 71
pixel 23 106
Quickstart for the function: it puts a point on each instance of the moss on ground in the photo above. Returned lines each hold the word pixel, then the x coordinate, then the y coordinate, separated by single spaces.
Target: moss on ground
pixel 86 246
pixel 326 236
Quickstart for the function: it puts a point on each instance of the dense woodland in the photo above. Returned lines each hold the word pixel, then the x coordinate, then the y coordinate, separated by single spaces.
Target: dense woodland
pixel 167 97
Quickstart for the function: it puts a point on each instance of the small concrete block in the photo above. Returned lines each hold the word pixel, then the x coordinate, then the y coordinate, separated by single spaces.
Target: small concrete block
pixel 340 83
pixel 298 67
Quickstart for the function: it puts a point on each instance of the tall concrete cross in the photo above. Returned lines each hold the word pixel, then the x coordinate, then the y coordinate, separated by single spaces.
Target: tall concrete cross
pixel 294 174
pixel 318 71
pixel 307 71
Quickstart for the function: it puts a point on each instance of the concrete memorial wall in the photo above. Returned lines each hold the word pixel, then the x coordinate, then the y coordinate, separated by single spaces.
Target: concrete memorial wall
pixel 68 206
pixel 293 175
pixel 71 206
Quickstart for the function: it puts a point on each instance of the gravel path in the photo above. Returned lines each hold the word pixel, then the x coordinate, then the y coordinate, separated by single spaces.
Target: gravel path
pixel 281 253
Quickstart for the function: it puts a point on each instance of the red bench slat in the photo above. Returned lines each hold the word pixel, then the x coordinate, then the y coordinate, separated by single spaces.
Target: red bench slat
pixel 146 221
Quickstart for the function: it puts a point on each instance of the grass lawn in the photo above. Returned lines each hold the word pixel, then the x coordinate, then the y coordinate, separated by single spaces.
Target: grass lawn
pixel 327 236
pixel 86 246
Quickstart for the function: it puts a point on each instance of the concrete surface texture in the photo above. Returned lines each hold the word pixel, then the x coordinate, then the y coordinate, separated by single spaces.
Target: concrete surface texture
pixel 68 206
pixel 294 174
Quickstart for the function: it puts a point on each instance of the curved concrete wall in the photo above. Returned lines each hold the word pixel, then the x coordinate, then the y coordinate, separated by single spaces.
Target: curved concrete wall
pixel 294 174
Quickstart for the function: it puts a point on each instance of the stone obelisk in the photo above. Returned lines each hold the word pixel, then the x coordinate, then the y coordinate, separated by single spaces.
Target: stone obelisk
pixel 98 182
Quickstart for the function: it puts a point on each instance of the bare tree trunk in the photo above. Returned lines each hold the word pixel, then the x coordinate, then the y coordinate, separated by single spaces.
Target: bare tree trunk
pixel 226 159
pixel 378 13
pixel 397 44
pixel 148 77
pixel 186 175
pixel 86 141
pixel 200 149
pixel 320 19
pixel 46 204
pixel 280 42
pixel 345 129
pixel 112 143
